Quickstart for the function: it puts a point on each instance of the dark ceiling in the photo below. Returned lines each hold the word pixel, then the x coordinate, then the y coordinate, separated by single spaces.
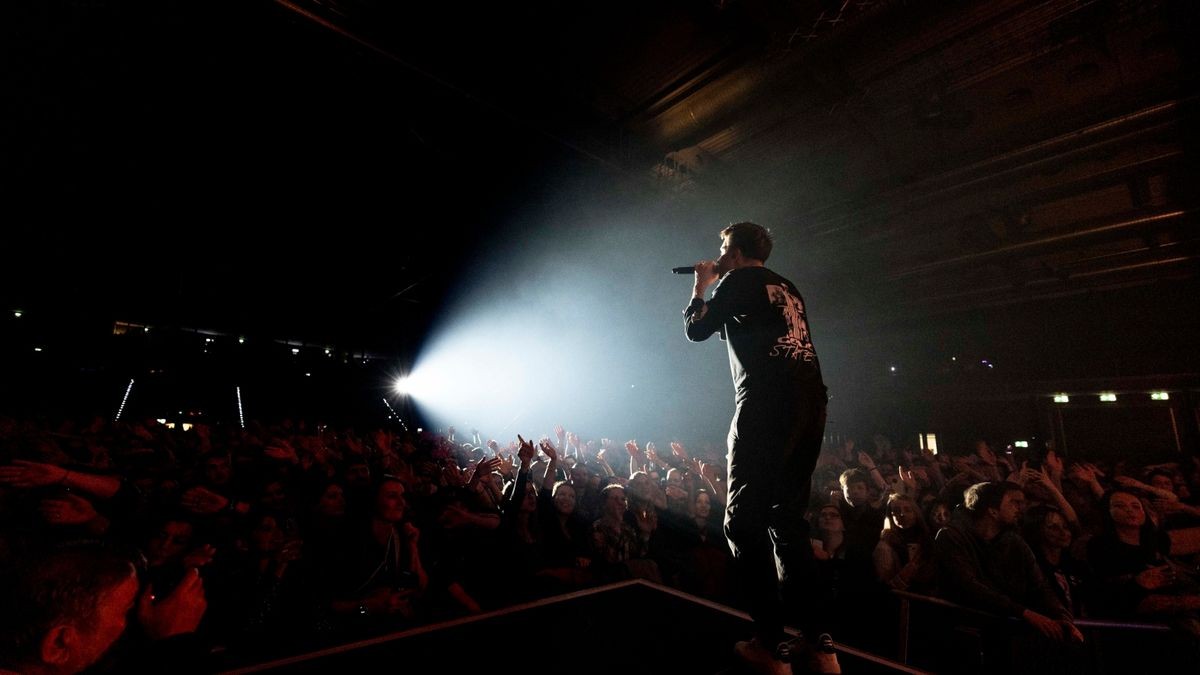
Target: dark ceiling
pixel 319 167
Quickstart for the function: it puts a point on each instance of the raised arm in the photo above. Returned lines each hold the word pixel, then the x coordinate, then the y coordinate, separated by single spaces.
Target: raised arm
pixel 26 474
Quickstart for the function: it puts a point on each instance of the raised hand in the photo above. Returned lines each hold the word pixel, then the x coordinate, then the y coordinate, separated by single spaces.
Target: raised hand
pixel 633 448
pixel 203 501
pixel 282 451
pixel 454 475
pixel 483 467
pixel 1155 577
pixel 679 451
pixel 289 552
pixel 199 556
pixel 526 452
pixel 1081 473
pixel 548 450
pixel 70 509
pixel 23 473
pixel 178 613
pixel 865 460
pixel 560 433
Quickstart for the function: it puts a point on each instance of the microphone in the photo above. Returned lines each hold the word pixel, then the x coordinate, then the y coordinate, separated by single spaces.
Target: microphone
pixel 683 270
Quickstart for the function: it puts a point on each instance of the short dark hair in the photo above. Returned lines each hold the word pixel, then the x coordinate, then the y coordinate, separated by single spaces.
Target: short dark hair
pixel 52 588
pixel 754 241
pixel 854 476
pixel 983 496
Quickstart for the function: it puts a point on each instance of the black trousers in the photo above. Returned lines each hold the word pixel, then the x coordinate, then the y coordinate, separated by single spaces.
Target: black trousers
pixel 773 448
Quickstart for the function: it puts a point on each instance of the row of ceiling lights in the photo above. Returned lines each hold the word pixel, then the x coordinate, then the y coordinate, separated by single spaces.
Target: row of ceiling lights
pixel 1111 397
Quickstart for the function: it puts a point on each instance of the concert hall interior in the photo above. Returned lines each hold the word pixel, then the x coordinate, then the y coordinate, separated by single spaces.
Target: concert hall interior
pixel 283 280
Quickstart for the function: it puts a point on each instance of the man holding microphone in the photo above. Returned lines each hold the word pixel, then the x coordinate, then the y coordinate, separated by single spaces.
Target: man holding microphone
pixel 774 438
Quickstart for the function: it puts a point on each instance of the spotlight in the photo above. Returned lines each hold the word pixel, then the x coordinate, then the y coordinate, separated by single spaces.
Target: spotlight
pixel 17 313
pixel 1159 396
pixel 402 386
pixel 295 351
pixel 1062 398
pixel 1108 397
pixel 1021 444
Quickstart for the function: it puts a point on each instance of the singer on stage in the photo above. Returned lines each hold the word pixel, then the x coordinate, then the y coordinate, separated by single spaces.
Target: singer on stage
pixel 775 434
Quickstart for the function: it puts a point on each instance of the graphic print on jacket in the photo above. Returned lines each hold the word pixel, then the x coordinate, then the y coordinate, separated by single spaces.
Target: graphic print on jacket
pixel 796 343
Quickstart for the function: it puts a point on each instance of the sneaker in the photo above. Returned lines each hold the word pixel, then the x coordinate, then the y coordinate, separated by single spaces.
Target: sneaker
pixel 823 659
pixel 758 659
pixel 790 650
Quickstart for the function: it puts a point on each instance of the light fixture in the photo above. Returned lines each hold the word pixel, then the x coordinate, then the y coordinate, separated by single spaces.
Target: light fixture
pixel 928 442
pixel 295 351
pixel 121 408
pixel 1108 397
pixel 1062 398
pixel 1020 444
pixel 1159 396
pixel 17 313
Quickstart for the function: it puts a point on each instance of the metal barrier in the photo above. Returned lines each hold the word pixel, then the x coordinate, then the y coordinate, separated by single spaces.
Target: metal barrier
pixel 982 621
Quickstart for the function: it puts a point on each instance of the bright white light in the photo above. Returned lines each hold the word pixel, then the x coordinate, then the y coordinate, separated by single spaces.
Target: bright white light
pixel 161 420
pixel 208 339
pixel 1062 398
pixel 121 408
pixel 892 368
pixel 186 426
pixel 17 313
pixel 953 358
pixel 328 351
pixel 295 350
pixel 1108 397
pixel 241 341
pixel 1021 444
pixel 241 417
pixel 37 349
pixel 928 442
pixel 1159 396
pixel 402 386
pixel 489 376
pixel 308 374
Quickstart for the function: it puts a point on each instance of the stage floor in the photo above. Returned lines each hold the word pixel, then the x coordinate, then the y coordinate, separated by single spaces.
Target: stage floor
pixel 627 628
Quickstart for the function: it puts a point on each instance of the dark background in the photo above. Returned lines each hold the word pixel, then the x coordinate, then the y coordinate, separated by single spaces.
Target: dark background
pixel 949 183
